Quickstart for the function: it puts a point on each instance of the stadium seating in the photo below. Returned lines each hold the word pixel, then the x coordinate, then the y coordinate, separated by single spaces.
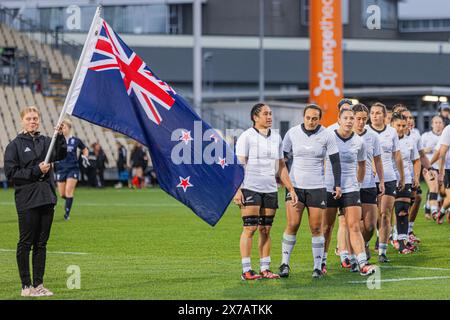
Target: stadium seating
pixel 13 99
pixel 59 64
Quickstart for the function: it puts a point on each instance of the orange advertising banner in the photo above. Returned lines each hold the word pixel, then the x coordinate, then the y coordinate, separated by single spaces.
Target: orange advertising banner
pixel 325 57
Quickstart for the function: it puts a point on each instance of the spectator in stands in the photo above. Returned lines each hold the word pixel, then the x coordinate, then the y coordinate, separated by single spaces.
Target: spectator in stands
pixel 35 197
pixel 91 171
pixel 101 162
pixel 121 165
pixel 139 161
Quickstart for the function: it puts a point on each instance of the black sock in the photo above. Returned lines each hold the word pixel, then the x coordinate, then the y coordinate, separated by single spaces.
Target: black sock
pixel 69 202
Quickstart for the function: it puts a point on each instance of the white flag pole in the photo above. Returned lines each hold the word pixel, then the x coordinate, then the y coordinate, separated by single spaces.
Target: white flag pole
pixel 74 79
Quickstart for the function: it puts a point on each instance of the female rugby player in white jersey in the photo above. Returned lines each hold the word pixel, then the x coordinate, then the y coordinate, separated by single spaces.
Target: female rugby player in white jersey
pixel 411 165
pixel 309 143
pixel 374 168
pixel 429 141
pixel 391 158
pixel 352 156
pixel 259 149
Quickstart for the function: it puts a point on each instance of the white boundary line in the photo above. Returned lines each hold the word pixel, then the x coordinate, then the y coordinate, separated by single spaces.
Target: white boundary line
pixel 413 267
pixel 92 204
pixel 403 279
pixel 54 252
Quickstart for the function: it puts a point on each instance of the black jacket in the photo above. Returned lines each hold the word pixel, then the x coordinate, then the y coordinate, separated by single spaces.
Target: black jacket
pixel 22 158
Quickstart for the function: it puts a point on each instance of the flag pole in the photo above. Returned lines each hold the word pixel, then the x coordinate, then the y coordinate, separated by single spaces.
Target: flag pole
pixel 72 83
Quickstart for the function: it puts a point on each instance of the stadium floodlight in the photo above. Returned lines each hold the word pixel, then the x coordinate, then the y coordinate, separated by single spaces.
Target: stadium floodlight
pixel 443 99
pixel 430 98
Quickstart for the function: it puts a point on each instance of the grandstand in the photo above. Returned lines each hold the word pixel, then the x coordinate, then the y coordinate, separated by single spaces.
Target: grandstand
pixel 49 100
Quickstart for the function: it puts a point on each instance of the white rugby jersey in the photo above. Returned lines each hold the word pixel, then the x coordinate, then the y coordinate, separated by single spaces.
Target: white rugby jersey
pixel 430 140
pixel 408 149
pixel 415 134
pixel 389 144
pixel 351 151
pixel 373 149
pixel 309 150
pixel 263 154
pixel 445 140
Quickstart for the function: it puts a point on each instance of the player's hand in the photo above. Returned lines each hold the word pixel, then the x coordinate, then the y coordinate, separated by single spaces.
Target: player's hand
pixel 85 161
pixel 337 194
pixel 401 185
pixel 44 167
pixel 294 198
pixel 59 128
pixel 381 188
pixel 239 198
pixel 415 183
pixel 441 178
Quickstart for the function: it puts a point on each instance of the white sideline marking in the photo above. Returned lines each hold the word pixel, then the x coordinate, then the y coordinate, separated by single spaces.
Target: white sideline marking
pixel 92 204
pixel 413 267
pixel 404 279
pixel 55 252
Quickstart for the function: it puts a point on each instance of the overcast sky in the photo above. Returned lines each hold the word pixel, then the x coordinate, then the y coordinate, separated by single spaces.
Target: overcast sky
pixel 428 9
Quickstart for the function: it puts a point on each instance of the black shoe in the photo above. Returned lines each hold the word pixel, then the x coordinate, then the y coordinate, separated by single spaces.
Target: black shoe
pixel 284 270
pixel 66 217
pixel 317 274
pixel 354 267
pixel 383 259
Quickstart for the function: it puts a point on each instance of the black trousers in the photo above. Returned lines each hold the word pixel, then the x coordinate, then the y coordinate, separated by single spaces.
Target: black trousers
pixel 34 231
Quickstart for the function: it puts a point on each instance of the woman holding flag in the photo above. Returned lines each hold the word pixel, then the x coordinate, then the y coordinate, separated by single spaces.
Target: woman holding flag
pixel 35 196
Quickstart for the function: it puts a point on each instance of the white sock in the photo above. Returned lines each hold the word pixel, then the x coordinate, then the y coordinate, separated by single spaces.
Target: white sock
pixel 352 259
pixel 324 258
pixel 362 259
pixel 410 227
pixel 394 233
pixel 427 205
pixel 264 264
pixel 246 264
pixel 382 247
pixel 287 246
pixel 318 244
pixel 434 209
pixel 344 255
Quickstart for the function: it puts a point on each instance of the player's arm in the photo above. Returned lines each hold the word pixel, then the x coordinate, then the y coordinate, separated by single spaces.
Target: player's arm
pixel 361 171
pixel 380 172
pixel 336 168
pixel 416 169
pixel 424 159
pixel 441 156
pixel 239 197
pixel 286 181
pixel 399 163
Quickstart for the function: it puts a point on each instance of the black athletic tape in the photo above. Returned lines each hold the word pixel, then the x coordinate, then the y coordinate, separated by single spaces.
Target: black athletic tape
pixel 250 221
pixel 401 206
pixel 336 167
pixel 433 196
pixel 266 221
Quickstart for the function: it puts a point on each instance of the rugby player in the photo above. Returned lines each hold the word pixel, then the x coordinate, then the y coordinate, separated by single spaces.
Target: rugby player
pixel 260 150
pixel 310 143
pixel 390 157
pixel 411 166
pixel 352 156
pixel 67 170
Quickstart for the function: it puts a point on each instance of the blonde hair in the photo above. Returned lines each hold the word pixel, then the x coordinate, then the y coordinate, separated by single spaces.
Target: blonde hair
pixel 67 122
pixel 29 109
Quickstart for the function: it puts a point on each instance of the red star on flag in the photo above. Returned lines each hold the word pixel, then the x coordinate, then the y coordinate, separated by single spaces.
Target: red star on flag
pixel 186 137
pixel 222 163
pixel 184 183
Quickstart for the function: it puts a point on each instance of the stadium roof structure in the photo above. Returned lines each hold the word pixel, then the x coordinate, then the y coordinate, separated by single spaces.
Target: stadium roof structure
pixel 363 92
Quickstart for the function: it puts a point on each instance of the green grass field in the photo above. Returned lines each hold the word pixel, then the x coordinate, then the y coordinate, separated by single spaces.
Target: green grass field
pixel 142 244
